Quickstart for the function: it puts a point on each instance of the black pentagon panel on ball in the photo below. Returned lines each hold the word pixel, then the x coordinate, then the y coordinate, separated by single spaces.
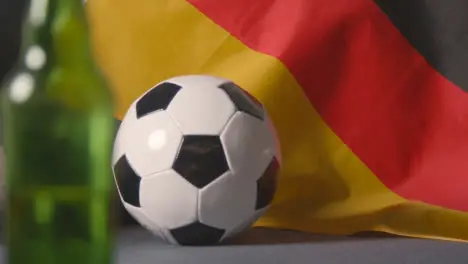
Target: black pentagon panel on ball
pixel 243 101
pixel 201 160
pixel 266 185
pixel 128 182
pixel 158 98
pixel 196 234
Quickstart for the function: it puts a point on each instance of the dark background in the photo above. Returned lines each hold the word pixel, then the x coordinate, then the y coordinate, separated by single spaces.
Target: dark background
pixel 10 24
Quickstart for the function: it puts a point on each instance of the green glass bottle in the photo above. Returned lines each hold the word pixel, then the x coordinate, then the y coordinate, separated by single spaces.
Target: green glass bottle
pixel 58 135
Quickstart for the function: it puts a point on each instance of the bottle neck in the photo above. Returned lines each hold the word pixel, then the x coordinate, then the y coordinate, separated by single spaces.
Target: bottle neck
pixel 55 33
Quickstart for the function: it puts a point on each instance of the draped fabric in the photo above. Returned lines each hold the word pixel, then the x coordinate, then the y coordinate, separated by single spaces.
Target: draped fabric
pixel 368 98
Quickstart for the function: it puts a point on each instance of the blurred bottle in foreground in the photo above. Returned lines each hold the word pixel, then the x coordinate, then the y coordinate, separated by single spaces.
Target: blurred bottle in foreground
pixel 58 133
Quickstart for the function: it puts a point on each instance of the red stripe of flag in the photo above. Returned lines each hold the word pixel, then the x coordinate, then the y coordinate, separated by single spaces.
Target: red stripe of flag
pixel 404 120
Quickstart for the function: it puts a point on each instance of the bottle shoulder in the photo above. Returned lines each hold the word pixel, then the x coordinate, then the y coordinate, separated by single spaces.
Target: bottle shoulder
pixel 75 88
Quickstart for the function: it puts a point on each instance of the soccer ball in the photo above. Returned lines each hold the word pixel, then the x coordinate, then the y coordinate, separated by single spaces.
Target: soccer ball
pixel 195 160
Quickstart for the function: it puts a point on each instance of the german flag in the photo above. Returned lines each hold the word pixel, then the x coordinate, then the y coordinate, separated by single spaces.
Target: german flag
pixel 369 98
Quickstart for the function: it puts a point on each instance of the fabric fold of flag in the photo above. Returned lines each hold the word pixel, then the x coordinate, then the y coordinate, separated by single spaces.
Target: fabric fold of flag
pixel 372 134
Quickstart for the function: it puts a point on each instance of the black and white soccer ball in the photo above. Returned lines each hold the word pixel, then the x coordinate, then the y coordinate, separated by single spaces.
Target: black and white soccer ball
pixel 196 160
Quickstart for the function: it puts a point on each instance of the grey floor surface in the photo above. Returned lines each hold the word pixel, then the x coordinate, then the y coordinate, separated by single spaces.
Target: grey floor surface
pixel 136 246
pixel 139 247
